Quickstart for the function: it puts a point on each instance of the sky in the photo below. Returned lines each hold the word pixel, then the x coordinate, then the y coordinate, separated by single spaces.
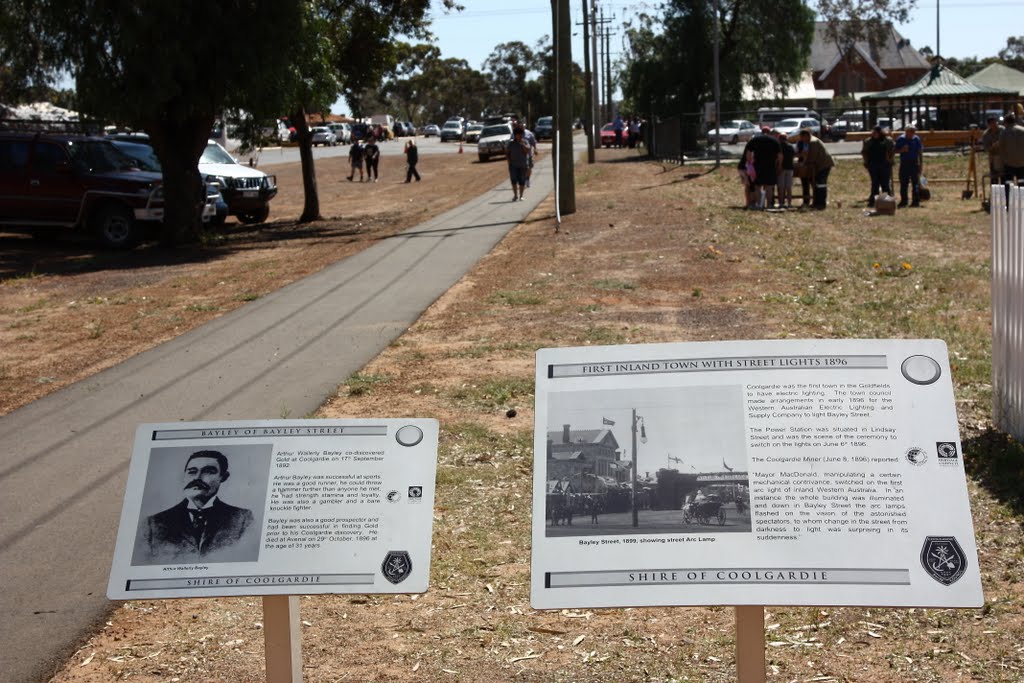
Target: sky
pixel 969 27
pixel 697 425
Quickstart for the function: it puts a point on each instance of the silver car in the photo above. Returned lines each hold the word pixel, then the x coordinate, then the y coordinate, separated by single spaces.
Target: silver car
pixel 733 132
pixel 322 135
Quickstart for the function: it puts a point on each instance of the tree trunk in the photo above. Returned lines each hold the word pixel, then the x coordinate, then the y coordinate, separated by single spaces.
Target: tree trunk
pixel 311 208
pixel 178 144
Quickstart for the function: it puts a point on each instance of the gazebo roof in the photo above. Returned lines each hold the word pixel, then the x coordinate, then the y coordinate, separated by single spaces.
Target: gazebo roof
pixel 939 82
pixel 1000 76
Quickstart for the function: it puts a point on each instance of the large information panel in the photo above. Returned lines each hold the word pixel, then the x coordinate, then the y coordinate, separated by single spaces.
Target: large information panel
pixel 824 472
pixel 277 507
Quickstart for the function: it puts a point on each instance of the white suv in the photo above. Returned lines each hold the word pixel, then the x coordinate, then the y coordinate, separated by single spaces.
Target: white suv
pixel 246 190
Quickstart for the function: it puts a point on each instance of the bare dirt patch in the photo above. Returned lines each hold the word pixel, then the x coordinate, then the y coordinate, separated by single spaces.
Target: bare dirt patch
pixel 653 254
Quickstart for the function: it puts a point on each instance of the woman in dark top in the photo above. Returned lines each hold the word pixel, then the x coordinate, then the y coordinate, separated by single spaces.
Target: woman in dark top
pixel 518 160
pixel 371 153
pixel 412 156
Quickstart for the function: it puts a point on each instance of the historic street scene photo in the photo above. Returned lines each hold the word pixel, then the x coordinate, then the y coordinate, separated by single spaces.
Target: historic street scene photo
pixel 652 461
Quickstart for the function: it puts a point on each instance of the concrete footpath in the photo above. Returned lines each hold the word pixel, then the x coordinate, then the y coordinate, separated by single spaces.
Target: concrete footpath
pixel 65 457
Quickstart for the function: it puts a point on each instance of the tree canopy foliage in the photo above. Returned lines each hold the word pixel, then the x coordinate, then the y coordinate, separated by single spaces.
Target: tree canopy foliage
pixel 669 67
pixel 170 68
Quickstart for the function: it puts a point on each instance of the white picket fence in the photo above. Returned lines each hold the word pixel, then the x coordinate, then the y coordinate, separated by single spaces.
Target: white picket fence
pixel 1008 310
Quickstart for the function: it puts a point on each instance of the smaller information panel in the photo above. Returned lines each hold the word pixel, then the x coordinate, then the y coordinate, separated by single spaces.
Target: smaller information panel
pixel 277 507
pixel 819 472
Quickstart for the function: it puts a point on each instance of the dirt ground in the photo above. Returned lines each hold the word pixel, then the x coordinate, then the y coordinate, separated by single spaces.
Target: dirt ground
pixel 654 253
pixel 69 310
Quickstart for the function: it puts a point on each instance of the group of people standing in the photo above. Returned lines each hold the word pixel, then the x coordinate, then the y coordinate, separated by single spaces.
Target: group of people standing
pixel 628 132
pixel 1005 147
pixel 367 153
pixel 879 153
pixel 770 163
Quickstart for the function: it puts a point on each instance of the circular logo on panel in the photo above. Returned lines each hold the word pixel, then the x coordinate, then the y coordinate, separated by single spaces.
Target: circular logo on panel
pixel 916 455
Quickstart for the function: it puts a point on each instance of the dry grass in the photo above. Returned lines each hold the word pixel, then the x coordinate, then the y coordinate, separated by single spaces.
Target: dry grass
pixel 662 257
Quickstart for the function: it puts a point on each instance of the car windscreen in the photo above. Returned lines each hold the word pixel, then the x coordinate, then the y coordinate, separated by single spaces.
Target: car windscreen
pixel 142 154
pixel 490 131
pixel 544 121
pixel 98 156
pixel 215 154
pixel 789 123
pixel 453 125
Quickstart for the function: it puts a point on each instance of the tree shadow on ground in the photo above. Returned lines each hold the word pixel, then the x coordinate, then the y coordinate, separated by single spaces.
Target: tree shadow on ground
pixel 996 461
pixel 77 253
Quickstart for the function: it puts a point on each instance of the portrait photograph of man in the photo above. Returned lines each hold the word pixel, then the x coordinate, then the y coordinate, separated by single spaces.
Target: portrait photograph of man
pixel 202 505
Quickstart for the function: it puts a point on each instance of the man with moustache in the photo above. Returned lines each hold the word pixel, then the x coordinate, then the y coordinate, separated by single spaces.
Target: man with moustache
pixel 201 528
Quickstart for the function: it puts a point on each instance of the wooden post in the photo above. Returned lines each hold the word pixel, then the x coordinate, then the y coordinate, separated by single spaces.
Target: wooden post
pixel 282 638
pixel 750 644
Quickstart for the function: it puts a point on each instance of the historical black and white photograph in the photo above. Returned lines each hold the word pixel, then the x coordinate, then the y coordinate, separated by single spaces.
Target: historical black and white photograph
pixel 646 461
pixel 203 504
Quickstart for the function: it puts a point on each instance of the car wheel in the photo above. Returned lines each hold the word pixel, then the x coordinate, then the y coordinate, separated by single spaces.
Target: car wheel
pixel 218 221
pixel 116 228
pixel 735 140
pixel 253 217
pixel 483 158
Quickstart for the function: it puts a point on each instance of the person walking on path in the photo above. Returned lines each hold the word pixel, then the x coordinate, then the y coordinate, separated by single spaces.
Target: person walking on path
pixel 518 158
pixel 412 157
pixel 531 141
pixel 820 164
pixel 877 153
pixel 372 155
pixel 911 151
pixel 355 160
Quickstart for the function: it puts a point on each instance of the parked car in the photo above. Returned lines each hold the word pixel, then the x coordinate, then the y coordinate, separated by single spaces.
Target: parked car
pixel 733 132
pixel 608 135
pixel 342 132
pixel 473 131
pixel 792 127
pixel 322 135
pixel 494 141
pixel 544 129
pixel 410 130
pixel 50 182
pixel 246 190
pixel 431 129
pixel 452 131
pixel 215 210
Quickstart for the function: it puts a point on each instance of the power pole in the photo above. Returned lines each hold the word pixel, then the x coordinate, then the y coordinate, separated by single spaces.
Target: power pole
pixel 564 168
pixel 588 125
pixel 595 113
pixel 718 96
pixel 608 69
pixel 598 38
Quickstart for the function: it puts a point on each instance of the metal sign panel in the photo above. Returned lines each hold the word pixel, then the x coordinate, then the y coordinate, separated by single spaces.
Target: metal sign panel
pixel 276 507
pixel 818 472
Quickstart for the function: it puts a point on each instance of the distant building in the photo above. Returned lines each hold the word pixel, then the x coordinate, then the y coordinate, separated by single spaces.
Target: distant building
pixel 893 65
pixel 589 458
pixel 1000 76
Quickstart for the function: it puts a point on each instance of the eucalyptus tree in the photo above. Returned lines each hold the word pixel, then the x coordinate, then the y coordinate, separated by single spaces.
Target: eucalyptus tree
pixel 169 68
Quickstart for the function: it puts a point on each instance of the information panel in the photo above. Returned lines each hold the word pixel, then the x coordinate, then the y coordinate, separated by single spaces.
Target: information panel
pixel 277 507
pixel 820 472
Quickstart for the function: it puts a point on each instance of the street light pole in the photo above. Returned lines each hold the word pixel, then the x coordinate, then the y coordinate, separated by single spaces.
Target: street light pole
pixel 636 518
